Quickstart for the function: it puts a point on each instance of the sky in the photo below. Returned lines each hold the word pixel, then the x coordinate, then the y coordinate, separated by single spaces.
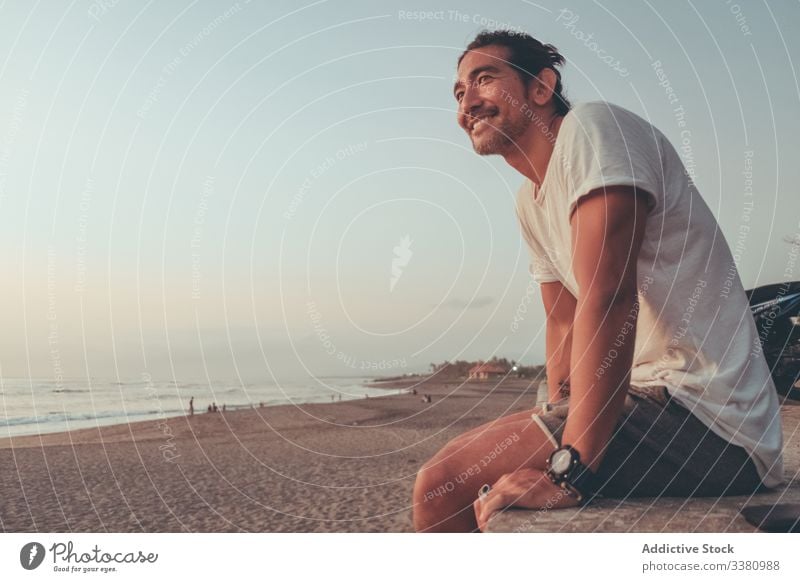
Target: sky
pixel 265 191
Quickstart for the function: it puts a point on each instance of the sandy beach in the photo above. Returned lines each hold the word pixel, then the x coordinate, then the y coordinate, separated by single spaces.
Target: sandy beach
pixel 338 467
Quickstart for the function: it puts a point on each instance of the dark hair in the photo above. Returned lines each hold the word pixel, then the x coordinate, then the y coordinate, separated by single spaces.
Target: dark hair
pixel 528 56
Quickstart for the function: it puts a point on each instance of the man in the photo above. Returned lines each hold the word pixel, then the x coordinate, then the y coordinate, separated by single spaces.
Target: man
pixel 654 384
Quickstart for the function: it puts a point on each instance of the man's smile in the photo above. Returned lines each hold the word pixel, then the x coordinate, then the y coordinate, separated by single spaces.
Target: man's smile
pixel 480 120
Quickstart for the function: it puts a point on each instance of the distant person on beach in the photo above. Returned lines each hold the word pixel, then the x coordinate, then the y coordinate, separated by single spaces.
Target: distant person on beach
pixel 655 388
pixel 191 406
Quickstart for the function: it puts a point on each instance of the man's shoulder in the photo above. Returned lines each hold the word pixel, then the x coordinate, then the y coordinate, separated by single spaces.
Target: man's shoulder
pixel 599 108
pixel 589 114
pixel 600 125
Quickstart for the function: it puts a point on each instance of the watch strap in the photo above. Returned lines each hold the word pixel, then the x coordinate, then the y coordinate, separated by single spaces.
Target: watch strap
pixel 578 480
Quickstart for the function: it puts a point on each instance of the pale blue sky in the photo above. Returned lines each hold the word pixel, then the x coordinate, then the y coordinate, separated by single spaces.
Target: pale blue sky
pixel 188 176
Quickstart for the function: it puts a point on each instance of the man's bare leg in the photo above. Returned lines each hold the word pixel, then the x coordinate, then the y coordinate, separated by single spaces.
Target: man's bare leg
pixel 468 436
pixel 448 484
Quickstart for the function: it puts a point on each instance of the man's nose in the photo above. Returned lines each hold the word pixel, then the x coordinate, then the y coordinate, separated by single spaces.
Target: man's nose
pixel 471 101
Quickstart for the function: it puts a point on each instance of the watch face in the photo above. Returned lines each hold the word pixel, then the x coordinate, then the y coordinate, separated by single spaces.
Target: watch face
pixel 560 461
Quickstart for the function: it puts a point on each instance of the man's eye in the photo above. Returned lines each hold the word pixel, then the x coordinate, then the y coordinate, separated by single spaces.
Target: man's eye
pixel 483 78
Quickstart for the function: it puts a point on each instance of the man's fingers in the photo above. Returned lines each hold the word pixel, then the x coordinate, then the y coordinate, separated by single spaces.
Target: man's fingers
pixel 490 504
pixel 477 507
pixel 480 515
pixel 503 478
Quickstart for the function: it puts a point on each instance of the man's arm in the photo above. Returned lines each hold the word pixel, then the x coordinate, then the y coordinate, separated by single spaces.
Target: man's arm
pixel 559 307
pixel 607 232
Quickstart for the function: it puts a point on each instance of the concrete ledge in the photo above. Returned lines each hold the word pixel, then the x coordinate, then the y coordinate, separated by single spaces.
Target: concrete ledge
pixel 665 514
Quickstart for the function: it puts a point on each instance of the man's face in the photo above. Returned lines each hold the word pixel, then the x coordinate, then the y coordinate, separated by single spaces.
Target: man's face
pixel 491 99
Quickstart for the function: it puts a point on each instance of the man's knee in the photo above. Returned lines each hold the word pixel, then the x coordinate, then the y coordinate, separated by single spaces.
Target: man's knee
pixel 441 503
pixel 438 496
pixel 431 480
pixel 448 478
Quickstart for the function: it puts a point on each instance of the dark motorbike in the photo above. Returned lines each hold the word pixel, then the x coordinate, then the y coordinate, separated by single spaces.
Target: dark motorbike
pixel 776 310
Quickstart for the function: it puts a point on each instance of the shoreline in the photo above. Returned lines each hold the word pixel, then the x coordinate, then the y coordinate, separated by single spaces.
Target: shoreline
pixel 121 418
pixel 141 427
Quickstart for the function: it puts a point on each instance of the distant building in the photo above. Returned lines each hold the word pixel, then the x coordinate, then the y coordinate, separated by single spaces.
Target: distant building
pixel 486 371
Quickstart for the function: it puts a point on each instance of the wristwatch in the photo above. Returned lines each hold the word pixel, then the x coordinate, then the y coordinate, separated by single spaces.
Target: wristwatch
pixel 564 468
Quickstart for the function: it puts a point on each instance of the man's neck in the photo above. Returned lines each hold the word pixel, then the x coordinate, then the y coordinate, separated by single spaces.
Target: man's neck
pixel 532 153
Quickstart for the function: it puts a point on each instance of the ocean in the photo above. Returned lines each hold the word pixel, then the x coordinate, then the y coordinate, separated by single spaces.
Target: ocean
pixel 36 406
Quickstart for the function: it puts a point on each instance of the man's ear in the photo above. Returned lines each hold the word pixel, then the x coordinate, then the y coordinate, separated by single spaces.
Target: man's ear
pixel 542 86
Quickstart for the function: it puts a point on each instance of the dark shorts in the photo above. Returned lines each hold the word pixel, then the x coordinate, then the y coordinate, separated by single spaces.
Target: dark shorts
pixel 659 448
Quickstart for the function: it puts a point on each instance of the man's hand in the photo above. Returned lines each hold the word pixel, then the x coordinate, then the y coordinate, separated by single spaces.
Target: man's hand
pixel 526 488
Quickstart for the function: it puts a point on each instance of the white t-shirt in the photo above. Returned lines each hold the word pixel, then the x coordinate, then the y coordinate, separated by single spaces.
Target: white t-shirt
pixel 695 333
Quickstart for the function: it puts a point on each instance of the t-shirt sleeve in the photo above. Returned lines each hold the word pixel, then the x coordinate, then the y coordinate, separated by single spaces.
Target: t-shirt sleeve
pixel 541 266
pixel 608 146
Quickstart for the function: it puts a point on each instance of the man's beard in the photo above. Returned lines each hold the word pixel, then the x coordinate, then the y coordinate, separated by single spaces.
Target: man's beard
pixel 501 137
